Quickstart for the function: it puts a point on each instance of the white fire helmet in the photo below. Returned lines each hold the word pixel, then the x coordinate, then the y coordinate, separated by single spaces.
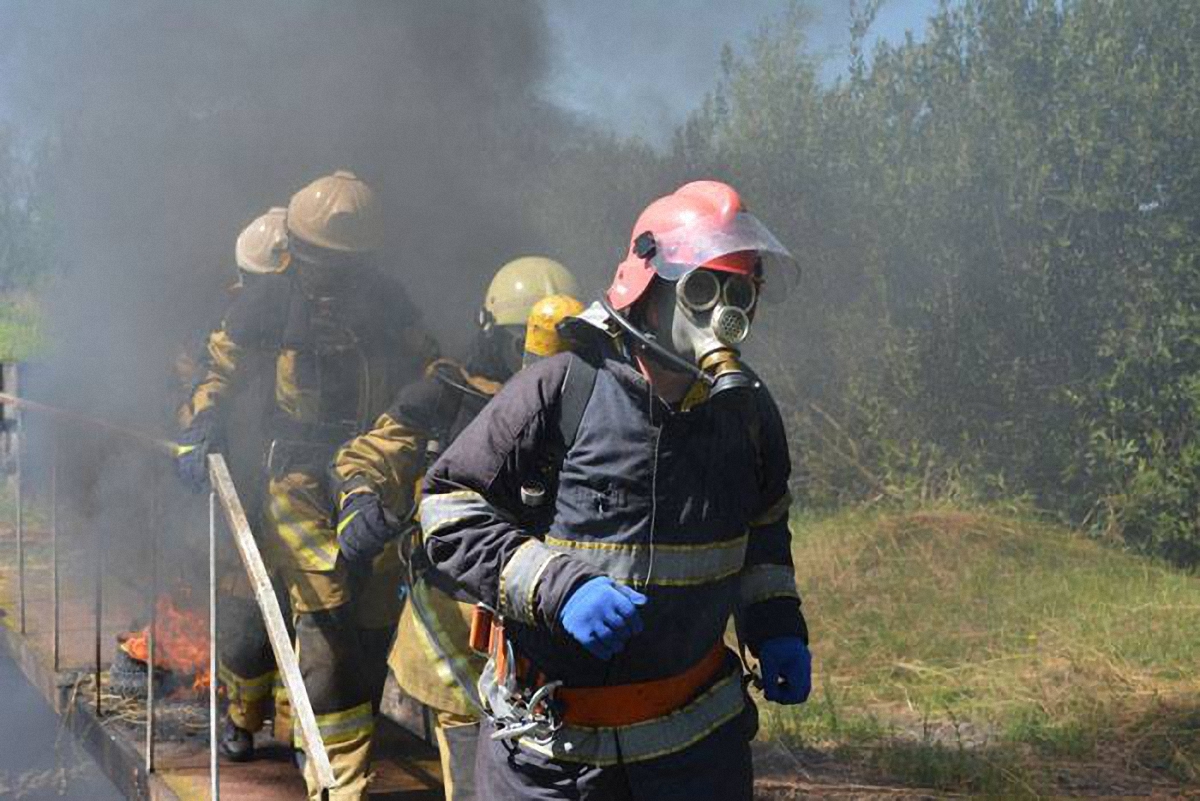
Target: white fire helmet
pixel 262 247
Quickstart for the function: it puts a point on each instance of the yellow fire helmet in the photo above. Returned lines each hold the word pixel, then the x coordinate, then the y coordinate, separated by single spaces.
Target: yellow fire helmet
pixel 520 284
pixel 337 212
pixel 261 248
pixel 541 331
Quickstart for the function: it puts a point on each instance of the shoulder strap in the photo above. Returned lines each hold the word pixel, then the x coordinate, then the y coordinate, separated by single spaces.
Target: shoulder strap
pixel 576 392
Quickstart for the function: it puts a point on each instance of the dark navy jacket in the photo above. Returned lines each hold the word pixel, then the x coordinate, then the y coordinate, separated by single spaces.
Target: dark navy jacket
pixel 689 507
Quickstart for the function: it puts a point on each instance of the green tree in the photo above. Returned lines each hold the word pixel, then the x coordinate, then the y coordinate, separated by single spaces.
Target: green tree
pixel 998 225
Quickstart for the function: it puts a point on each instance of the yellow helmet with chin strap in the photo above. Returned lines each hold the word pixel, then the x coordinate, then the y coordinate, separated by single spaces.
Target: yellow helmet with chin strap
pixel 520 284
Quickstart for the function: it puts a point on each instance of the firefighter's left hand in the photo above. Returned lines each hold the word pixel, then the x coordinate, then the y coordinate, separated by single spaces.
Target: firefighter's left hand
pixel 786 670
pixel 191 453
pixel 362 530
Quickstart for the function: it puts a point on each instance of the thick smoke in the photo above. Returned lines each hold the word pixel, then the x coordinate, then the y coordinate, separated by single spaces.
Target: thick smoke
pixel 175 124
pixel 172 125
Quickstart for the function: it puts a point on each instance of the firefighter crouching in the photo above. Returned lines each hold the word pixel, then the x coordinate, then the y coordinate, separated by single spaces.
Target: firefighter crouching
pixel 614 507
pixel 342 336
pixel 379 472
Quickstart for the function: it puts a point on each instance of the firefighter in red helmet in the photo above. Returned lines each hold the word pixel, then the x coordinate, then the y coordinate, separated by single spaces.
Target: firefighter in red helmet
pixel 612 509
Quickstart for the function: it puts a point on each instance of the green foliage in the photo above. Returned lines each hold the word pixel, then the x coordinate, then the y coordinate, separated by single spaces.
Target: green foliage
pixel 999 230
pixel 24 230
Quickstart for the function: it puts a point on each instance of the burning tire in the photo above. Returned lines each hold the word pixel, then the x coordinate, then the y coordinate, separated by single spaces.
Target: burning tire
pixel 127 676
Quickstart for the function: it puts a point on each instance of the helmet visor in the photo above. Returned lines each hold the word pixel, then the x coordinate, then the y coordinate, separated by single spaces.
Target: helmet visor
pixel 683 249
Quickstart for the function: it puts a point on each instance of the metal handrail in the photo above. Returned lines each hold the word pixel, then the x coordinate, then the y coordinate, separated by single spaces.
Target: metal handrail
pixel 223 495
pixel 144 440
pixel 268 604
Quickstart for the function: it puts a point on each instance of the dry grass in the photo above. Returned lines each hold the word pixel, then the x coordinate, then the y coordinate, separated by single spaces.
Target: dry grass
pixel 985 651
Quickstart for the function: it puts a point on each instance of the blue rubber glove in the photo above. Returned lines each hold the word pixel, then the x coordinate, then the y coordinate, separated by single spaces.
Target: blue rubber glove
pixel 786 670
pixel 602 615
pixel 191 456
pixel 362 530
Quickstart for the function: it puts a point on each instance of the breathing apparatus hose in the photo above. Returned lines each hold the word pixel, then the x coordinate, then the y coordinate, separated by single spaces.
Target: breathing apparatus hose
pixel 648 342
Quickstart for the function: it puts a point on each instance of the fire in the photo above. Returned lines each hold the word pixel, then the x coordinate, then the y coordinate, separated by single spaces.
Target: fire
pixel 180 643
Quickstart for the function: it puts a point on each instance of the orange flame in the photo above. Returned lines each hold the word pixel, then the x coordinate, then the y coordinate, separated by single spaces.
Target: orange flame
pixel 181 643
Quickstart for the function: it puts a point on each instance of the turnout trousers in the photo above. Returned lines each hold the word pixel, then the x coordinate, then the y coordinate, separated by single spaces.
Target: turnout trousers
pixel 430 659
pixel 716 767
pixel 344 626
pixel 246 666
pixel 253 690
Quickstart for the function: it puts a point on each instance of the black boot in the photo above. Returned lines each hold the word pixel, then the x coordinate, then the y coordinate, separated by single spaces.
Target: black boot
pixel 235 743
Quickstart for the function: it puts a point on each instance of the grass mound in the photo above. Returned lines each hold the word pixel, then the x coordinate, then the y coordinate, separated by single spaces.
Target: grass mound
pixel 985 651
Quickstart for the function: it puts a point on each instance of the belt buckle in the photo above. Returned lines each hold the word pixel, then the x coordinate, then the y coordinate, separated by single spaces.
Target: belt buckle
pixel 527 714
pixel 537 715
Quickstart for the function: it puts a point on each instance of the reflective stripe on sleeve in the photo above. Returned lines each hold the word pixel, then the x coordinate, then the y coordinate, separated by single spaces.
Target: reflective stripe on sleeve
pixel 519 580
pixel 764 582
pixel 775 512
pixel 444 509
pixel 662 565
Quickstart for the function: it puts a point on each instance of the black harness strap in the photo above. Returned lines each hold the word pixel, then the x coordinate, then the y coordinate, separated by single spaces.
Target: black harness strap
pixel 576 393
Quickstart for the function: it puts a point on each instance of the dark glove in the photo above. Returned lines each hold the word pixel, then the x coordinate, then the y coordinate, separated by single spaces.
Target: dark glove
pixel 786 670
pixel 191 458
pixel 602 615
pixel 362 530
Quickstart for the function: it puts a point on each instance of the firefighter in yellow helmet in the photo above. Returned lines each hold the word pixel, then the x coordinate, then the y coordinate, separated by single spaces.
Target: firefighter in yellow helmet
pixel 343 337
pixel 379 471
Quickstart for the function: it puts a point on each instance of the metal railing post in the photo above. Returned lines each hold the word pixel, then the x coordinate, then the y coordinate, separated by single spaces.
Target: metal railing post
pixel 20 443
pixel 213 722
pixel 54 556
pixel 98 605
pixel 151 696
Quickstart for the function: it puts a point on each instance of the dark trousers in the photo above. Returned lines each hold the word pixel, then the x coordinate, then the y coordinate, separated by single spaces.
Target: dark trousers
pixel 718 767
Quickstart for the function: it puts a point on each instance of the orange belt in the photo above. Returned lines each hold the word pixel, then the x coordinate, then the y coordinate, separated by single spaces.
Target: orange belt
pixel 627 704
pixel 614 705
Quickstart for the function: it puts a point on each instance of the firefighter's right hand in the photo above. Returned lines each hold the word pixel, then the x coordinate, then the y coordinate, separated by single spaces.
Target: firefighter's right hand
pixel 362 530
pixel 602 615
pixel 191 462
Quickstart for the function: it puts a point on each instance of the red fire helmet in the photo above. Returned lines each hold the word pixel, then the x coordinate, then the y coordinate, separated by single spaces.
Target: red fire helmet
pixel 701 224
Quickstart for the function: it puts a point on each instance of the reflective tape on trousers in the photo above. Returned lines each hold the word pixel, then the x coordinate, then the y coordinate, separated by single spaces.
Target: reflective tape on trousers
pixel 668 734
pixel 353 724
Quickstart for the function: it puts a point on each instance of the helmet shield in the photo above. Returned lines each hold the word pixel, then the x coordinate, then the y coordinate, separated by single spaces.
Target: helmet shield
pixel 697 244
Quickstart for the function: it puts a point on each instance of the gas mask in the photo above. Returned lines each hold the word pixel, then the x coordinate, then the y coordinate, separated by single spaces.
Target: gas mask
pixel 700 320
pixel 712 317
